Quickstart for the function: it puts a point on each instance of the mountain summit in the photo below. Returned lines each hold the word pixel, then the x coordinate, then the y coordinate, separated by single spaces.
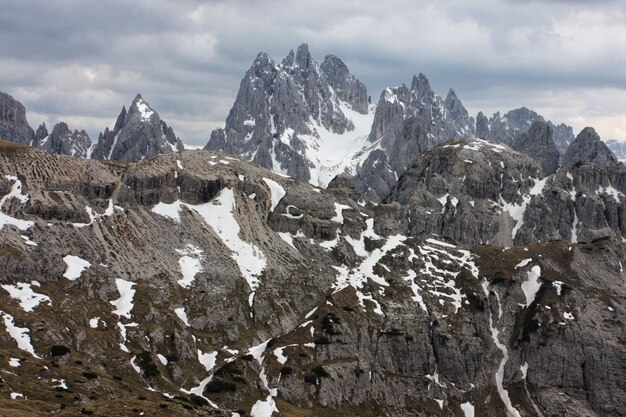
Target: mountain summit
pixel 138 134
pixel 297 117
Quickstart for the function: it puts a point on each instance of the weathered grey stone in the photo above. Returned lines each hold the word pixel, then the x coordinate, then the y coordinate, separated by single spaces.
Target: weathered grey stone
pixel 348 316
pixel 407 122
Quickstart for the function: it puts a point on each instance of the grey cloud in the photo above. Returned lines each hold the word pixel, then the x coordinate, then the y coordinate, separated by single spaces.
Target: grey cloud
pixel 82 60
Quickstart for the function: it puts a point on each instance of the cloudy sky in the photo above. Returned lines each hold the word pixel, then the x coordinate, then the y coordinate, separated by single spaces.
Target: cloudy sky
pixel 79 60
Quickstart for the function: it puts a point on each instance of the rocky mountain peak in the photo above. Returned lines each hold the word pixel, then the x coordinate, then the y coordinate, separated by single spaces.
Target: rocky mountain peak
pixel 263 62
pixel 538 143
pixel 138 134
pixel 65 142
pixel 303 59
pixel 420 83
pixel 286 116
pixel 588 147
pixel 456 109
pixel 408 122
pixel 347 87
pixel 40 134
pixel 141 109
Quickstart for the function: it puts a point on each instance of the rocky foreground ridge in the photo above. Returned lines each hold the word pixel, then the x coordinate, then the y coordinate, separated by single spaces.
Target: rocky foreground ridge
pixel 196 283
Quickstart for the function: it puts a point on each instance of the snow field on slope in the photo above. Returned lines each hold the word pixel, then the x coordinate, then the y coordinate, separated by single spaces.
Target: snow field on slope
pixel 219 214
pixel 16 192
pixel 332 153
pixel 276 190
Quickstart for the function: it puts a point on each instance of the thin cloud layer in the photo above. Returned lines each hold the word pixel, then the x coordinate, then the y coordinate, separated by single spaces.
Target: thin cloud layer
pixel 80 61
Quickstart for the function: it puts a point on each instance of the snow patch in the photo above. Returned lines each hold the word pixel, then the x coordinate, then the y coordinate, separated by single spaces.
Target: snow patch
pixel 180 313
pixel 190 264
pixel 276 190
pixel 28 298
pixel 532 284
pixel 124 304
pixel 468 409
pixel 19 334
pixel 75 267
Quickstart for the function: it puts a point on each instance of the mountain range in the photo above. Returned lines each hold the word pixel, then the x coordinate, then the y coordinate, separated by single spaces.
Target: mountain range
pixel 323 256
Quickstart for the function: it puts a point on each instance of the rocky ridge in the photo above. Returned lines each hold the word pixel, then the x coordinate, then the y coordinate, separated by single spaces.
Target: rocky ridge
pixel 512 124
pixel 196 283
pixel 63 141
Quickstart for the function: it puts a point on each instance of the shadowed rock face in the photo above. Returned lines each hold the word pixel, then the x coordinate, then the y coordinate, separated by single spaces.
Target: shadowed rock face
pixel 538 143
pixel 589 148
pixel 256 291
pixel 13 123
pixel 137 135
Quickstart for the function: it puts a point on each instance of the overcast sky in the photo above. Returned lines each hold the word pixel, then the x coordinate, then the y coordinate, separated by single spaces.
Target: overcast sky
pixel 79 61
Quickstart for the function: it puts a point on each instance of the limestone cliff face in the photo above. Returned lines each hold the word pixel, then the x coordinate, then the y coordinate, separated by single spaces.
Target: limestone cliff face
pixel 196 278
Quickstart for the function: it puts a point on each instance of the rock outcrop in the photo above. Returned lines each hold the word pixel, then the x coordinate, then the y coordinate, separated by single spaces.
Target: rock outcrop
pixel 538 143
pixel 138 134
pixel 13 123
pixel 588 147
pixel 297 118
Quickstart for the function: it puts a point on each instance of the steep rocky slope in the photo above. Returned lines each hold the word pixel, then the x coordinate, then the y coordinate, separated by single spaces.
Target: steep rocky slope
pixel 196 283
pixel 538 143
pixel 138 134
pixel 298 117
